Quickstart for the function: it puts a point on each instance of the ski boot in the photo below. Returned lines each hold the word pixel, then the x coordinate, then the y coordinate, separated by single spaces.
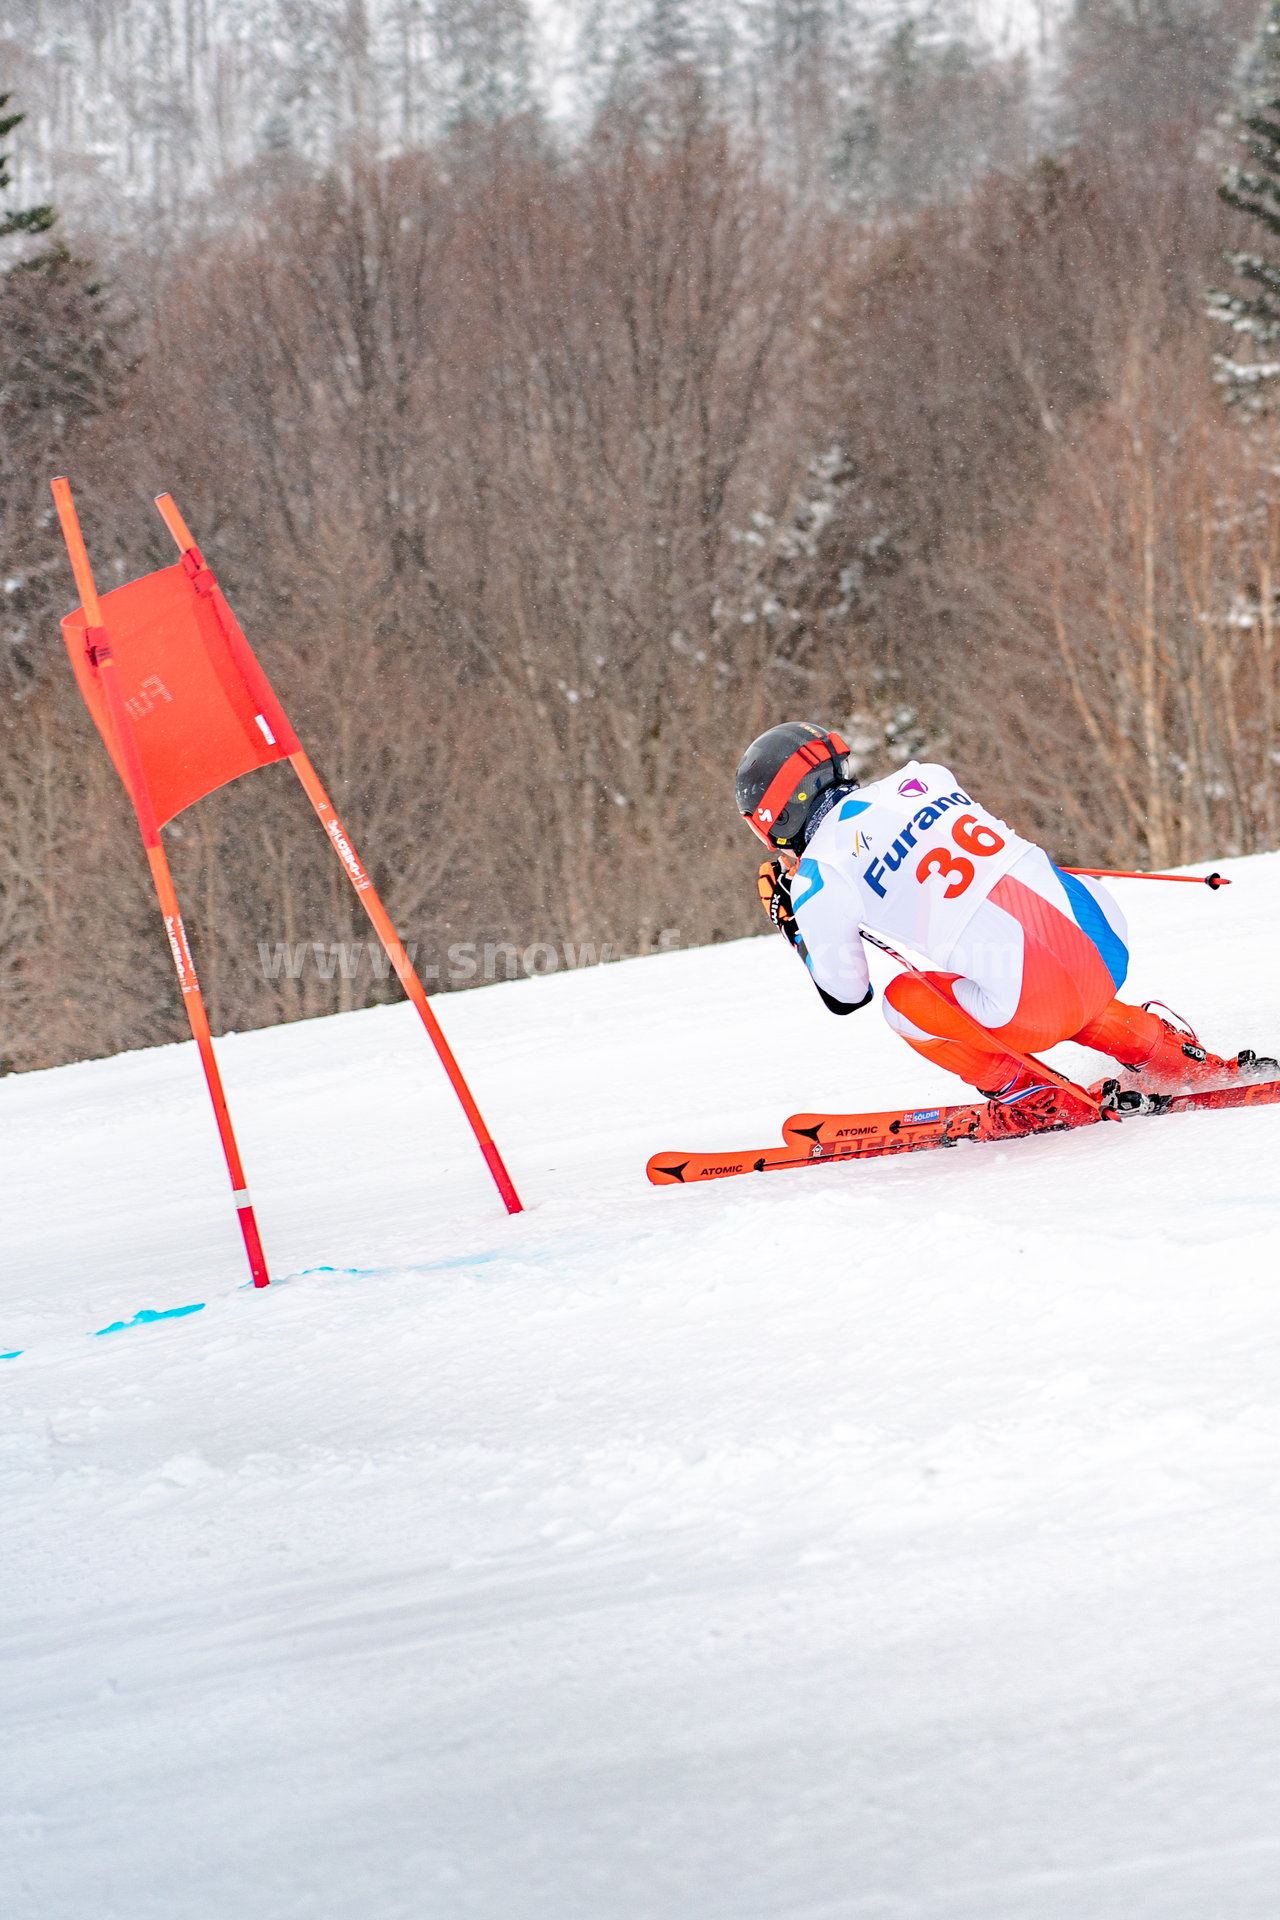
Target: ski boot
pixel 1180 1064
pixel 1028 1105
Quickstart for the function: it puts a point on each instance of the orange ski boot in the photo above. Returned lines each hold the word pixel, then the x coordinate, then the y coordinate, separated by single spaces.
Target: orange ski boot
pixel 1179 1064
pixel 1028 1105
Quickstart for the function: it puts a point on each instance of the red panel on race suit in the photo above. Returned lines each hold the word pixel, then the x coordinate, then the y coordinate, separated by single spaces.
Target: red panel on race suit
pixel 203 711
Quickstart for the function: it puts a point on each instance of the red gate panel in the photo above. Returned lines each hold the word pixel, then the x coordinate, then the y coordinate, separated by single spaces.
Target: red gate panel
pixel 195 718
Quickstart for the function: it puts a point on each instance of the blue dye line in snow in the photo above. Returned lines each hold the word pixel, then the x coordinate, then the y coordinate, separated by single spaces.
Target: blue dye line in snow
pixel 147 1315
pixel 430 1266
pixel 452 1263
pixel 378 1273
pixel 142 1318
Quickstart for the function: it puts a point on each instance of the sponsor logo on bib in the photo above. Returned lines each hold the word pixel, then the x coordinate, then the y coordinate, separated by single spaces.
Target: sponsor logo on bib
pixel 913 786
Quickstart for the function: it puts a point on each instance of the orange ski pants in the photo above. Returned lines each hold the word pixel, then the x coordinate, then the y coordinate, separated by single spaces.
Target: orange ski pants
pixel 1066 993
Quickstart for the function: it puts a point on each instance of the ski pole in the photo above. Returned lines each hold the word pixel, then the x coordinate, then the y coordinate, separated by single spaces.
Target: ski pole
pixel 1211 880
pixel 1036 1068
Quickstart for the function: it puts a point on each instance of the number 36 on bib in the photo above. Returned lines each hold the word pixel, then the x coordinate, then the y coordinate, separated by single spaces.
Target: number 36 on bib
pixel 957 869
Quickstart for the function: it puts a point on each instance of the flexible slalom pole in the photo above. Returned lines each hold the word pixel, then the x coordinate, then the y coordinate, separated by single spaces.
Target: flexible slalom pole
pixel 1035 1067
pixel 395 950
pixel 101 659
pixel 355 871
pixel 1211 880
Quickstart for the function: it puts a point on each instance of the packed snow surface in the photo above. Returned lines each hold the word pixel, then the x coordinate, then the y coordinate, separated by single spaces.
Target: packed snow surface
pixel 895 1539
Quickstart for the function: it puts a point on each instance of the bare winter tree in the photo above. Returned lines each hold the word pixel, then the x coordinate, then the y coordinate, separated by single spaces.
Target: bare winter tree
pixel 505 425
pixel 1131 629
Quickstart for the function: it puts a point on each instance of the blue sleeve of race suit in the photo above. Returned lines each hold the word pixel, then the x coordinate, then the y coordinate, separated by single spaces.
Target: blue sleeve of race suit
pixel 826 912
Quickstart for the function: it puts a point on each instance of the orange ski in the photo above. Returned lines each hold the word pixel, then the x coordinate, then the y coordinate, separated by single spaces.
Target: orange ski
pixel 830 1131
pixel 816 1139
pixel 851 1136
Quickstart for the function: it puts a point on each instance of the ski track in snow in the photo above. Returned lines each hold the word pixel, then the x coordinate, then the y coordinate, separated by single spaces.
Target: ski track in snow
pixel 883 1540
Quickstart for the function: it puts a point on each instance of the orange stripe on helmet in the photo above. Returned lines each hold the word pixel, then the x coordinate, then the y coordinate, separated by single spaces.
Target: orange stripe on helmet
pixel 781 789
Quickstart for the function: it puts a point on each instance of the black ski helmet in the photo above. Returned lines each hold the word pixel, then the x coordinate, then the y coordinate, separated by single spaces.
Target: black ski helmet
pixel 781 775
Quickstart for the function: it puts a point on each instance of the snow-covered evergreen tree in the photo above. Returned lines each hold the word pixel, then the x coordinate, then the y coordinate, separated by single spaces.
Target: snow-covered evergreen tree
pixel 28 220
pixel 62 358
pixel 484 54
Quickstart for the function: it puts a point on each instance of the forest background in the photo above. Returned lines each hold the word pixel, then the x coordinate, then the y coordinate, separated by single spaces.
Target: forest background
pixel 554 432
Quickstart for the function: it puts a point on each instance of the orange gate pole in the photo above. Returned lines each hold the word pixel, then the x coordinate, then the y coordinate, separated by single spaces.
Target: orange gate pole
pixel 395 949
pixel 100 657
pixel 354 868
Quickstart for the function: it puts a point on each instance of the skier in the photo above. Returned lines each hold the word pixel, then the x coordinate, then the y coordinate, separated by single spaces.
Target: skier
pixel 1026 955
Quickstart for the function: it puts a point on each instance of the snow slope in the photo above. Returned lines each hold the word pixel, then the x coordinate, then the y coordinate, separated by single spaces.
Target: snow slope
pixel 890 1540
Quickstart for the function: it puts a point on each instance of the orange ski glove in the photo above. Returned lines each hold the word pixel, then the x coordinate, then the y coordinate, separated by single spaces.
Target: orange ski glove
pixel 774 888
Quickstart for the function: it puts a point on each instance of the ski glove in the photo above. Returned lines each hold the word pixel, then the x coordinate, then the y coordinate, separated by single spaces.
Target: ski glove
pixel 774 888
